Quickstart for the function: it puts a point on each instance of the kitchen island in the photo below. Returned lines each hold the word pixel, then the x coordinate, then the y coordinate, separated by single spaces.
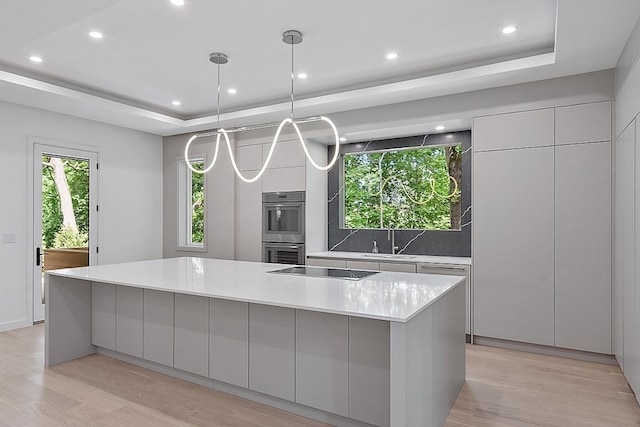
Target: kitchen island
pixel 383 350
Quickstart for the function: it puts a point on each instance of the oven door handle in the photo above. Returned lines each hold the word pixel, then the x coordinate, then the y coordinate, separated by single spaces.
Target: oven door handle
pixel 283 205
pixel 282 246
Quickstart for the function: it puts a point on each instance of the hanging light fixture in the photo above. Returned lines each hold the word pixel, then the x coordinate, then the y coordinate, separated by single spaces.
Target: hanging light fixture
pixel 291 37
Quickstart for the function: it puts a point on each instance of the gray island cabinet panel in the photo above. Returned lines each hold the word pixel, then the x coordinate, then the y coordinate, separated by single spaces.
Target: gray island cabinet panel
pixel 369 370
pixel 229 342
pixel 272 350
pixel 583 247
pixel 129 327
pixel 103 315
pixel 322 361
pixel 191 349
pixel 158 326
pixel 513 245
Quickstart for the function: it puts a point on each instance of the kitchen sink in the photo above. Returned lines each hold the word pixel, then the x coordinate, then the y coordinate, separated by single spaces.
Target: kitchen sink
pixel 389 256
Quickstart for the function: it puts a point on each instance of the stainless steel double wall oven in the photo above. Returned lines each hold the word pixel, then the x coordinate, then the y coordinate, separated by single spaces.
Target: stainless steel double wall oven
pixel 283 227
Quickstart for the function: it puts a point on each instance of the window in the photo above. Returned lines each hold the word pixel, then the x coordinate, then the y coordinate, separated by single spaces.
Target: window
pixel 191 209
pixel 413 188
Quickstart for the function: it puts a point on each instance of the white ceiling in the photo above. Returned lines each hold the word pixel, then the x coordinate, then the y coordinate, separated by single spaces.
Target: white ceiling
pixel 153 53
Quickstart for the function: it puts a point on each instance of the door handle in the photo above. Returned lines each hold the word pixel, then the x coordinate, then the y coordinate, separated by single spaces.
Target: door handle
pixel 38 256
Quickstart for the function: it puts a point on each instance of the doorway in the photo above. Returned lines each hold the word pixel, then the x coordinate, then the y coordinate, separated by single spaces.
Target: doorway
pixel 64 214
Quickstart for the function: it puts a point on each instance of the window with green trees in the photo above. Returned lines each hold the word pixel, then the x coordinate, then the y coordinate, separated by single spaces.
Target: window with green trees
pixel 191 212
pixel 413 188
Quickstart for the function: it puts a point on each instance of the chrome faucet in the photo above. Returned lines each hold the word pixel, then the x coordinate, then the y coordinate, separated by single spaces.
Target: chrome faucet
pixel 391 235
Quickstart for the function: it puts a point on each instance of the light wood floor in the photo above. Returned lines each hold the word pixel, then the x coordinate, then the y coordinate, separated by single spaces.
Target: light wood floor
pixel 504 388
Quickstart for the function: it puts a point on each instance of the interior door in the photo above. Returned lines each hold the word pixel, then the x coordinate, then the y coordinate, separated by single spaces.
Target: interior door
pixel 69 256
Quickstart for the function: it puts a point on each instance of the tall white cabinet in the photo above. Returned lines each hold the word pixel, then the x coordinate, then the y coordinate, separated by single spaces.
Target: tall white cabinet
pixel 288 171
pixel 627 254
pixel 542 227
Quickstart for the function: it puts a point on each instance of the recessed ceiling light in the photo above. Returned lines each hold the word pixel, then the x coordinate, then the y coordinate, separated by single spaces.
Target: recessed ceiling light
pixel 440 127
pixel 392 55
pixel 176 103
pixel 95 34
pixel 302 75
pixel 177 2
pixel 343 139
pixel 232 91
pixel 449 136
pixel 35 58
pixel 508 30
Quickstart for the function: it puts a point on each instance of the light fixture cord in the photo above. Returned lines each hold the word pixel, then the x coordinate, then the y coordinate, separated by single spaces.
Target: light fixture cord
pixel 292 77
pixel 218 94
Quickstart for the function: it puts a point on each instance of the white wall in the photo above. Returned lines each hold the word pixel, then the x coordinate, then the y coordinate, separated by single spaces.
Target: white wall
pixel 219 199
pixel 129 187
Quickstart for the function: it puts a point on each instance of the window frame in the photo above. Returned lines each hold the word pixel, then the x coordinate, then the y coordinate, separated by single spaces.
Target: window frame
pixel 184 210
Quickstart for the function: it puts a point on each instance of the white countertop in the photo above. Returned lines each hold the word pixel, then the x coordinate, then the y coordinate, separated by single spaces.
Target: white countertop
pixel 400 258
pixel 386 296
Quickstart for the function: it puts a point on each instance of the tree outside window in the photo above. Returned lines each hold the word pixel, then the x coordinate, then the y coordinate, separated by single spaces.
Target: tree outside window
pixel 415 188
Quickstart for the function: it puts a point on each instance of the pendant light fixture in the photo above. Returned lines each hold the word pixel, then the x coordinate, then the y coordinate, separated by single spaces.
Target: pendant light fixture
pixel 291 37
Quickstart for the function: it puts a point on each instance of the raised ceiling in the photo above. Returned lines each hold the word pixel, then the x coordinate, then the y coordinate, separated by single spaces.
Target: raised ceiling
pixel 153 53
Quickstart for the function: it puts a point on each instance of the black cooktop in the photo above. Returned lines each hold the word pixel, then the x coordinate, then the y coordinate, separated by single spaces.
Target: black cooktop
pixel 340 273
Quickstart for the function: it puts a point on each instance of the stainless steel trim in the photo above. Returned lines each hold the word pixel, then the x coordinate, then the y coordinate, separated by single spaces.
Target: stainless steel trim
pixel 442 267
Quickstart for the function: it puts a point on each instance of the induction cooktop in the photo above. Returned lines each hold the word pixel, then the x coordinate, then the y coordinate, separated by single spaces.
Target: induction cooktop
pixel 338 273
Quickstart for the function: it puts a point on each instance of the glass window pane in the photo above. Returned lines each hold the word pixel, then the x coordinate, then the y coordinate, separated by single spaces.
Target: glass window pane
pixel 404 189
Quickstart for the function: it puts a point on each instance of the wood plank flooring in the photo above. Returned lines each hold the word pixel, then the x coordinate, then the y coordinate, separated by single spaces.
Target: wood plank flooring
pixel 504 388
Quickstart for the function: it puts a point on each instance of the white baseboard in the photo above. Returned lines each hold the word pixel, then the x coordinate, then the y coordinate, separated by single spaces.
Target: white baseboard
pixel 15 325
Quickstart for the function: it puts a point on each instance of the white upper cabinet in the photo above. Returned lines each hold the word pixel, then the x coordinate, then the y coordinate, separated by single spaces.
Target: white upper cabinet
pixel 249 157
pixel 583 123
pixel 513 130
pixel 286 154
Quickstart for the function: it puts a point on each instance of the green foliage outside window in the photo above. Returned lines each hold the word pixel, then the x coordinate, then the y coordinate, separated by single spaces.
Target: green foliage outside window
pixel 197 204
pixel 53 234
pixel 404 189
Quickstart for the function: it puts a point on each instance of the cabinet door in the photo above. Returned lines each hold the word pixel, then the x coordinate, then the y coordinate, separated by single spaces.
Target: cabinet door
pixel 229 342
pixel 249 224
pixel 632 333
pixel 272 350
pixel 453 270
pixel 129 309
pixel 399 267
pixel 103 315
pixel 158 326
pixel 514 130
pixel 322 361
pixel 286 154
pixel 249 157
pixel 513 245
pixel 191 349
pixel 583 247
pixel 369 368
pixel 327 262
pixel 583 123
pixel 284 179
pixel 363 265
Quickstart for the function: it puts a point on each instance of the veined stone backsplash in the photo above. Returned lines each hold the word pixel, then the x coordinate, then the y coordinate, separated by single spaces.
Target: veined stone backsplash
pixel 413 242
